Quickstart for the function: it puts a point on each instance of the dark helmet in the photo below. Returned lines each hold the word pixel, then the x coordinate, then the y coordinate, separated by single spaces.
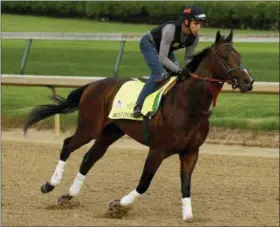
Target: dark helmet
pixel 194 13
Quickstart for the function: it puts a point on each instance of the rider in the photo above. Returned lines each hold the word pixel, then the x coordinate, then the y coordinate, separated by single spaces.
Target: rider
pixel 158 45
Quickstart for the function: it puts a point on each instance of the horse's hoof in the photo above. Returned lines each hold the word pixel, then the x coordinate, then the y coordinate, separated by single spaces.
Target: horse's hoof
pixel 64 200
pixel 47 187
pixel 116 210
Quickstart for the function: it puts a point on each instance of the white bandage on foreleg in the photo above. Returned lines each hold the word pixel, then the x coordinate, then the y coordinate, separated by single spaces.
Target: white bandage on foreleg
pixel 58 173
pixel 187 208
pixel 130 198
pixel 77 184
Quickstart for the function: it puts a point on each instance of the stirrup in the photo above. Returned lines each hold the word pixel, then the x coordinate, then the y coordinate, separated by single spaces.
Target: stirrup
pixel 137 111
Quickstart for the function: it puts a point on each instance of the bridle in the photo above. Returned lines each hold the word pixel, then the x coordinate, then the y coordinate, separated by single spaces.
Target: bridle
pixel 233 81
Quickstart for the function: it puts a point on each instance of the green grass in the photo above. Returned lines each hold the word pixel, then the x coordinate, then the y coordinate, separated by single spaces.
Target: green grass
pixel 244 111
pixel 81 58
pixel 247 111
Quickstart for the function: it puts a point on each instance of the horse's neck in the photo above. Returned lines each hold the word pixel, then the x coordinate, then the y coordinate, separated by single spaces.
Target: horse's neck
pixel 188 98
pixel 197 96
pixel 203 69
pixel 191 95
pixel 198 91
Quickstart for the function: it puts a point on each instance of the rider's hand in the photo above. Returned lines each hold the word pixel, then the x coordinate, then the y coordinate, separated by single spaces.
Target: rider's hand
pixel 183 73
pixel 180 71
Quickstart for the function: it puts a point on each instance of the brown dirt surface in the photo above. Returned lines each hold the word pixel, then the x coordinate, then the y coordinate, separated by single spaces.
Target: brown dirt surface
pixel 231 185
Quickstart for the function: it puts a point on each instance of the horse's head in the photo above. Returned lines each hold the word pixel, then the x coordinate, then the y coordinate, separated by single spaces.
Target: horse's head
pixel 225 64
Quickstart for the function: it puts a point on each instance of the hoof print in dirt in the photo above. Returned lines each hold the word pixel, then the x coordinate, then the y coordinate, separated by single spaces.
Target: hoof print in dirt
pixel 67 201
pixel 115 210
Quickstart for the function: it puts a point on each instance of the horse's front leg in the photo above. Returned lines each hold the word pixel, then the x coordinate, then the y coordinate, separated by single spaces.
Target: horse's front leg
pixel 188 160
pixel 152 163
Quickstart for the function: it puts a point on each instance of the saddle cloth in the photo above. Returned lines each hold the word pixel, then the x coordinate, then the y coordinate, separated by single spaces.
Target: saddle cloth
pixel 127 95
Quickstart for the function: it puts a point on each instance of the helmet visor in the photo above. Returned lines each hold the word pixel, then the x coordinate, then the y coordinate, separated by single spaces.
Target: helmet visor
pixel 200 17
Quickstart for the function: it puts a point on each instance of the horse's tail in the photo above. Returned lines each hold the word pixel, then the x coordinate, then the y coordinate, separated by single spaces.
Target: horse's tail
pixel 62 106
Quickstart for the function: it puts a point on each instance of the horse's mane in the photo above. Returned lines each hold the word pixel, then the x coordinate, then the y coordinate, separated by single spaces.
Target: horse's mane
pixel 197 58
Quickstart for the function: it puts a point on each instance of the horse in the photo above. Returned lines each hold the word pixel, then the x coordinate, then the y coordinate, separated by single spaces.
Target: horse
pixel 180 126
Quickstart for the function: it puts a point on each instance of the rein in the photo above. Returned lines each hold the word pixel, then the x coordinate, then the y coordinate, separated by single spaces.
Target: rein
pixel 210 79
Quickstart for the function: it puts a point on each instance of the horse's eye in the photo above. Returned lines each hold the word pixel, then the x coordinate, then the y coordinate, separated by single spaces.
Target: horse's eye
pixel 225 57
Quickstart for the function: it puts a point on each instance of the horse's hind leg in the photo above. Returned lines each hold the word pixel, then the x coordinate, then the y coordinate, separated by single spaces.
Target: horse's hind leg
pixel 57 175
pixel 82 136
pixel 110 134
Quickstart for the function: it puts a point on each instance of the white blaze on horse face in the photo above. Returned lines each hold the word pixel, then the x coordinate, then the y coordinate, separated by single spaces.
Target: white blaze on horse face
pixel 245 70
pixel 247 73
pixel 130 198
pixel 58 173
pixel 77 184
pixel 187 208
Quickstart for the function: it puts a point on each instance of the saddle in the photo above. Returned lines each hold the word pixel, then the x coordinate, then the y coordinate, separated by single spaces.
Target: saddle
pixel 123 103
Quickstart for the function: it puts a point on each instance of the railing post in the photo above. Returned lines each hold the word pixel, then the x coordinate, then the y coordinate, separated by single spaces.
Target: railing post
pixel 56 117
pixel 119 57
pixel 26 51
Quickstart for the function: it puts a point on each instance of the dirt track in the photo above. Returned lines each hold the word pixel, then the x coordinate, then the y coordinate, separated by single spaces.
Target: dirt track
pixel 232 185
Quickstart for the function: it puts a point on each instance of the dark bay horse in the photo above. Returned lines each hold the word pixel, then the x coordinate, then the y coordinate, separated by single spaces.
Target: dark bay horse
pixel 179 127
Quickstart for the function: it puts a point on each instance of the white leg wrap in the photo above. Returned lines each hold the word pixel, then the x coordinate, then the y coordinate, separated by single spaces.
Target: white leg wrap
pixel 77 184
pixel 187 208
pixel 130 198
pixel 58 173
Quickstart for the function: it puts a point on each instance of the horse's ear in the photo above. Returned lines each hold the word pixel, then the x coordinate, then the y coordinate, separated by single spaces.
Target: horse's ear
pixel 229 38
pixel 218 36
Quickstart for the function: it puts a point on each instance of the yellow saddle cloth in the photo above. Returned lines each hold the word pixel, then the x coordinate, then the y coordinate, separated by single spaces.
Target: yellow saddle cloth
pixel 127 95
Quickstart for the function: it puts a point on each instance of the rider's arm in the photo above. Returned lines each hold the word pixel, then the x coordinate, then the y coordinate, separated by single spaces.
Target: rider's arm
pixel 168 33
pixel 189 51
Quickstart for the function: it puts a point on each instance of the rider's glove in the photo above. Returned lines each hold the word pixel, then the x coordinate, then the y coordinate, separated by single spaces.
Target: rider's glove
pixel 181 70
pixel 183 73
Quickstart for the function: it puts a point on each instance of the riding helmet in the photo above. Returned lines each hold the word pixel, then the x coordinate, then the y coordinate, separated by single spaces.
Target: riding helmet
pixel 194 13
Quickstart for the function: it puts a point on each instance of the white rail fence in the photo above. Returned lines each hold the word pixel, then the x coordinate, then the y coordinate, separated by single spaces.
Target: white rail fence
pixel 74 82
pixel 92 36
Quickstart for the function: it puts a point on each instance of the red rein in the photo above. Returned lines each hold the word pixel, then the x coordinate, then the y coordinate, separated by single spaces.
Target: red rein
pixel 214 86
